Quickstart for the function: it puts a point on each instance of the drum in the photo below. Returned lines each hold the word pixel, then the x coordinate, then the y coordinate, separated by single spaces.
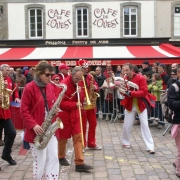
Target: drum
pixel 15 115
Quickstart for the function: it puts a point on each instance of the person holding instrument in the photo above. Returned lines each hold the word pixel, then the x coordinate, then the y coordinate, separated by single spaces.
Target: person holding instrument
pixel 72 122
pixel 5 114
pixel 89 96
pixel 36 104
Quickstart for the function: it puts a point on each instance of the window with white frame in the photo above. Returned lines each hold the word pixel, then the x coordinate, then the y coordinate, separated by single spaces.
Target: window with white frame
pixel 129 21
pixel 35 23
pixel 82 22
pixel 177 21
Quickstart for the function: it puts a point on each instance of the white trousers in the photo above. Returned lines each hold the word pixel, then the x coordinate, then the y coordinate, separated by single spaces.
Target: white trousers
pixel 45 161
pixel 127 126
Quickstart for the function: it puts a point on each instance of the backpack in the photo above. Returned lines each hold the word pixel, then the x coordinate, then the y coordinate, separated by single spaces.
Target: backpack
pixel 166 111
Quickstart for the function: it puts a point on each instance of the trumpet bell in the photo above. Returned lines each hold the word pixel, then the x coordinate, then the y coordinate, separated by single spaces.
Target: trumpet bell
pixel 61 126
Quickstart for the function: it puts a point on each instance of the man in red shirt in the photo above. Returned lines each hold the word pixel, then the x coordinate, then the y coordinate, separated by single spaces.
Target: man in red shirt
pixel 71 121
pixel 90 114
pixel 133 104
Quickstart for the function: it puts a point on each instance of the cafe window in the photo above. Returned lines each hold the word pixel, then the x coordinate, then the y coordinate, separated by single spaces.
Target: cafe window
pixel 83 21
pixel 130 21
pixel 35 21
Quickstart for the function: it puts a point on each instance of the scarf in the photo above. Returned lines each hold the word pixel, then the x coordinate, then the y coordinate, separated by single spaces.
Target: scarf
pixel 38 82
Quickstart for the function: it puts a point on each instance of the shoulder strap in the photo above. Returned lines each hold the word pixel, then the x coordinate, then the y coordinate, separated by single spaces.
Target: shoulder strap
pixel 176 87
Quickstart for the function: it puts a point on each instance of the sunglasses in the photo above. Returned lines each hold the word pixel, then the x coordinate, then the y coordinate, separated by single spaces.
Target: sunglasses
pixel 173 74
pixel 48 74
pixel 56 79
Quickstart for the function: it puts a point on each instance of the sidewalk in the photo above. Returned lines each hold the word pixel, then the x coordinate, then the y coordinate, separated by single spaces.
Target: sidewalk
pixel 111 163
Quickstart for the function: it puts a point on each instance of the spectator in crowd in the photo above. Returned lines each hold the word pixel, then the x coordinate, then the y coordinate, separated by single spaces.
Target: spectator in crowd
pixel 25 70
pixel 155 66
pixel 148 78
pixel 20 78
pixel 173 100
pixel 30 75
pixel 108 95
pixel 108 71
pixel 12 74
pixel 164 75
pixel 63 71
pixel 100 78
pixel 174 66
pixel 173 78
pixel 69 70
pixel 155 87
pixel 118 71
pixel 133 104
pixel 146 68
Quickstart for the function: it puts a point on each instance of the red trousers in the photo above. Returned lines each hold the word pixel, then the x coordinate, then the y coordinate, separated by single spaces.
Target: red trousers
pixel 90 117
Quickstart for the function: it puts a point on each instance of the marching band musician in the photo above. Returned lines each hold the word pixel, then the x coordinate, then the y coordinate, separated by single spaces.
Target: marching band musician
pixel 71 119
pixel 37 100
pixel 88 115
pixel 5 117
pixel 133 103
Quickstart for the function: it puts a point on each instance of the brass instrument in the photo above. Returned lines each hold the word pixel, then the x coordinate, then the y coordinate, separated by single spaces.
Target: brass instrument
pixel 5 92
pixel 80 116
pixel 125 85
pixel 92 97
pixel 49 129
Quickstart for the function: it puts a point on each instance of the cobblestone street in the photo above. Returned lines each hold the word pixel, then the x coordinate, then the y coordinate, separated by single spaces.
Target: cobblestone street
pixel 111 163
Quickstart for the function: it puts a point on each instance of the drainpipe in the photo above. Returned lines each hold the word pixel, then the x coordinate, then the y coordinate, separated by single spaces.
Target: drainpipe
pixel 154 18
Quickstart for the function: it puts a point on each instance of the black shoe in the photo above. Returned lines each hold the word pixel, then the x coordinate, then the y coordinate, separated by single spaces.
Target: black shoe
pixel 63 162
pixel 83 168
pixel 9 160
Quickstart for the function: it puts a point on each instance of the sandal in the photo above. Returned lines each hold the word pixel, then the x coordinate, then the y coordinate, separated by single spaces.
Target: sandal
pixel 126 146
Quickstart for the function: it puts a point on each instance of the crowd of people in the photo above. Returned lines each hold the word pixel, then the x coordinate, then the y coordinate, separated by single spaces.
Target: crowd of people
pixel 41 90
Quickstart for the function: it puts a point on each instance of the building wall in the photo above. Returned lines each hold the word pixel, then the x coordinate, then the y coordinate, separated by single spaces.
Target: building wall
pixel 102 15
pixel 163 19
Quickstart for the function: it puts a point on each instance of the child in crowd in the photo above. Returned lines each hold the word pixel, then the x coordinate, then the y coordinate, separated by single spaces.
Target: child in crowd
pixel 155 87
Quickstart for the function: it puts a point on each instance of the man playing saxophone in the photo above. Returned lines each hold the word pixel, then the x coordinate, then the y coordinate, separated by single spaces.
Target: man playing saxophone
pixel 72 122
pixel 5 114
pixel 36 104
pixel 89 88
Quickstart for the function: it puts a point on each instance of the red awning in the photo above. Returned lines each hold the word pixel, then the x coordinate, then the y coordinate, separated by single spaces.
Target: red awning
pixel 97 55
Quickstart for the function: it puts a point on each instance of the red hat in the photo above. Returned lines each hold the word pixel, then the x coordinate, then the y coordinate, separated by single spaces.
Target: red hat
pixel 55 76
pixel 83 63
pixel 63 66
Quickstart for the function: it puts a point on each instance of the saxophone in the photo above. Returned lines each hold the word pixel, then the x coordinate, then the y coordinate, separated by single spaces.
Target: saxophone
pixel 5 92
pixel 92 97
pixel 49 129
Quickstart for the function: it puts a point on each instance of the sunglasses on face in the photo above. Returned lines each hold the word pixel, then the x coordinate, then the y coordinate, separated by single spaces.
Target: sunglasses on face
pixel 56 79
pixel 173 74
pixel 48 74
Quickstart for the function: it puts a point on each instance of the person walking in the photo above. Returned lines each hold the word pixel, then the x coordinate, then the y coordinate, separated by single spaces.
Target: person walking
pixel 133 103
pixel 37 100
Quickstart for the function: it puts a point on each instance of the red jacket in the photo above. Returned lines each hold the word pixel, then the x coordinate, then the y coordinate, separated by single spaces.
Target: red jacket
pixel 6 114
pixel 32 107
pixel 127 102
pixel 70 113
pixel 62 76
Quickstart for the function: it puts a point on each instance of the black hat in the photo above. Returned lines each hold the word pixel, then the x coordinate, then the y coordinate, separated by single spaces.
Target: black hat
pixel 146 62
pixel 162 65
